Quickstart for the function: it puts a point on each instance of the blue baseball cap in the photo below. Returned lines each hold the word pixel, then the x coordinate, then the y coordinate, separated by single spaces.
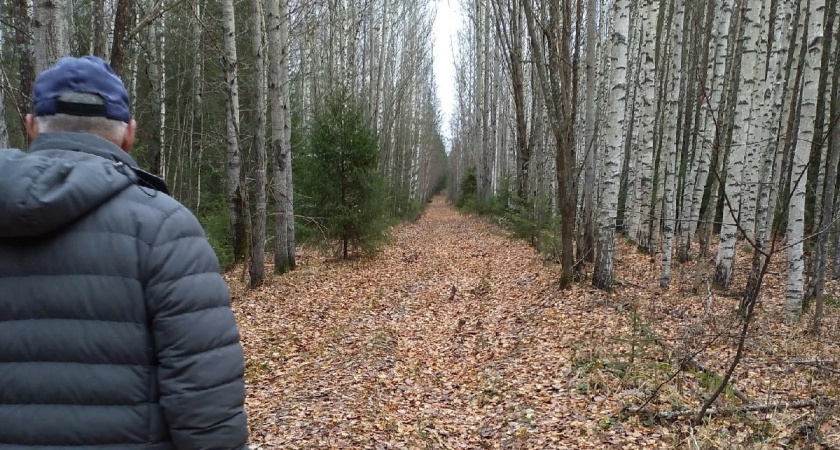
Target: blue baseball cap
pixel 88 74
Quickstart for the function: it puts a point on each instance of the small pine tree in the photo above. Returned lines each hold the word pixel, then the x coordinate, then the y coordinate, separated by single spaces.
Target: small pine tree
pixel 468 193
pixel 347 196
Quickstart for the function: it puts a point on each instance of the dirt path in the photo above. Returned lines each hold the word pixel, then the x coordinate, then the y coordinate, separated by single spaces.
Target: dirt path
pixel 453 337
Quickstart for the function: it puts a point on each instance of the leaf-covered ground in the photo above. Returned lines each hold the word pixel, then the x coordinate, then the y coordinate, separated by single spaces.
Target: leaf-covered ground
pixel 456 337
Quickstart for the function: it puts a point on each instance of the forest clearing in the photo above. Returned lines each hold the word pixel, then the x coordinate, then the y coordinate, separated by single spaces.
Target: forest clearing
pixel 456 336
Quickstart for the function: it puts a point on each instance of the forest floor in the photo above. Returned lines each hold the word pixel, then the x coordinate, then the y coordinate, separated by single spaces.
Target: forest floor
pixel 455 336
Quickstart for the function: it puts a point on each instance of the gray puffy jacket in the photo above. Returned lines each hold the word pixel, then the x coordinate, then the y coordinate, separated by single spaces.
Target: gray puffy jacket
pixel 115 326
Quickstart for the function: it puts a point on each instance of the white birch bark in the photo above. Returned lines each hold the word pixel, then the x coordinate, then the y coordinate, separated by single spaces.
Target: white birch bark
pixel 671 142
pixel 770 112
pixel 829 18
pixel 631 117
pixel 611 172
pixel 647 92
pixel 799 162
pixel 757 38
pixel 716 71
pixel 701 162
pixel 196 146
pixel 742 120
pixel 234 162
pixel 278 95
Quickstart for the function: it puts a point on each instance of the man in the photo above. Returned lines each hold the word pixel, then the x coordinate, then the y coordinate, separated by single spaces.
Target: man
pixel 115 326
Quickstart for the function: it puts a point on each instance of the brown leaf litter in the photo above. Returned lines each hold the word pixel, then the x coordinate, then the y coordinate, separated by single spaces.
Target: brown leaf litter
pixel 456 337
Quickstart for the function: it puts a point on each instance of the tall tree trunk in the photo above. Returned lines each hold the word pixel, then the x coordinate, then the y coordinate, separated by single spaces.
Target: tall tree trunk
pixel 712 126
pixel 644 163
pixel 669 205
pixel 196 147
pixel 256 267
pixel 100 34
pixel 510 12
pixel 771 112
pixel 21 11
pixel 817 154
pixel 754 155
pixel 4 132
pixel 826 221
pixel 799 163
pixel 482 105
pixel 287 142
pixel 234 160
pixel 156 69
pixel 627 190
pixel 586 244
pixel 51 32
pixel 741 121
pixel 278 95
pixel 695 184
pixel 122 27
pixel 611 172
pixel 554 68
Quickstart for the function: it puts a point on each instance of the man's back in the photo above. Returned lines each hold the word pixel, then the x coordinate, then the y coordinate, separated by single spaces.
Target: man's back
pixel 116 326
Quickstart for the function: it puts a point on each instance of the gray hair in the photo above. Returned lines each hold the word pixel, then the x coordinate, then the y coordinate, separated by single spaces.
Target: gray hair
pixel 108 129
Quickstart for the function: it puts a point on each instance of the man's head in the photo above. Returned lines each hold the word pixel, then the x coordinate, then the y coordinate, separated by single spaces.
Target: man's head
pixel 82 95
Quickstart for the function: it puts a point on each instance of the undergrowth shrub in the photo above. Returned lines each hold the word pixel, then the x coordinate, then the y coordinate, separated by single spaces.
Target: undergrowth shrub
pixel 402 207
pixel 530 219
pixel 468 192
pixel 215 220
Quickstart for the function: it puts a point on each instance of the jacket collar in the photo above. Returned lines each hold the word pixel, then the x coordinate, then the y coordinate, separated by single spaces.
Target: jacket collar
pixel 95 145
pixel 81 142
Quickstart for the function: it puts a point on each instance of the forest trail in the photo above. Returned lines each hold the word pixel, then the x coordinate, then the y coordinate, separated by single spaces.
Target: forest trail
pixel 456 337
pixel 453 337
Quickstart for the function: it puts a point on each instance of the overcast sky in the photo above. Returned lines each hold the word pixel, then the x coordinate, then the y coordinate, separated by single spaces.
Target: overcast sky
pixel 447 24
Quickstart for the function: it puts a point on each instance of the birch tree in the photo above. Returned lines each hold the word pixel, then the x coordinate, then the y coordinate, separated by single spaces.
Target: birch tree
pixel 235 195
pixel 801 152
pixel 611 172
pixel 278 95
pixel 643 188
pixel 671 142
pixel 585 245
pixel 825 222
pixel 508 25
pixel 716 23
pixel 769 113
pixel 748 49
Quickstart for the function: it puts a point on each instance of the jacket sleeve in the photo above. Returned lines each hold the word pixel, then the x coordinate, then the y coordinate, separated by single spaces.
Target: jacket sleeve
pixel 200 360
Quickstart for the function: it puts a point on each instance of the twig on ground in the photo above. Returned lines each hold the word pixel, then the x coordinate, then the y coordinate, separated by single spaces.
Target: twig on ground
pixel 760 407
pixel 814 429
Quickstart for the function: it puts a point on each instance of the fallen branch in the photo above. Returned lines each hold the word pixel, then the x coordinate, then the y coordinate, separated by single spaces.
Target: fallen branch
pixel 624 283
pixel 806 362
pixel 819 366
pixel 672 415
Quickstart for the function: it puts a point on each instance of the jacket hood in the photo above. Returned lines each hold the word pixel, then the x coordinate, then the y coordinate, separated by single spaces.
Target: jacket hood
pixel 63 177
